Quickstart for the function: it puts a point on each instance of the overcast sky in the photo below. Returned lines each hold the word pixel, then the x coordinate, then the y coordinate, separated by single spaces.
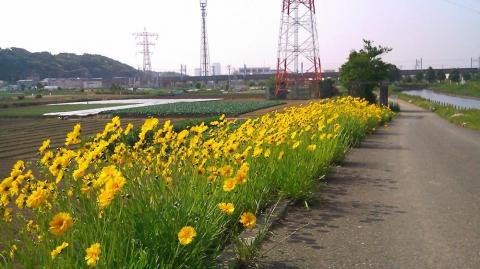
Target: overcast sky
pixel 443 32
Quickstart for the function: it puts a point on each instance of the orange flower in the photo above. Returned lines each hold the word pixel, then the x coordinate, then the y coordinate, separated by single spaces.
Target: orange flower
pixel 60 223
pixel 186 235
pixel 229 184
pixel 248 220
pixel 226 208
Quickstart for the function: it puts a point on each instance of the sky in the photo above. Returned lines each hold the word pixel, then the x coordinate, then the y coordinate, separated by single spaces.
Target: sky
pixel 445 33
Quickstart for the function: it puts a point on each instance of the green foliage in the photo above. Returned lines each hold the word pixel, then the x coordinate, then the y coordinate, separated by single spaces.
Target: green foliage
pixel 455 76
pixel 211 108
pixel 17 63
pixel 467 76
pixel 420 76
pixel 366 65
pixel 470 88
pixel 430 75
pixel 394 74
pixel 441 75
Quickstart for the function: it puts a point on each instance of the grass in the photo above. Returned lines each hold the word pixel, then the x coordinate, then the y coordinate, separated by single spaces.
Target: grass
pixel 36 111
pixel 466 118
pixel 469 89
pixel 209 108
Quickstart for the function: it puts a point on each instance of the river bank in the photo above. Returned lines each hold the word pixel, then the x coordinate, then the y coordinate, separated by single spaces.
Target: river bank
pixel 469 118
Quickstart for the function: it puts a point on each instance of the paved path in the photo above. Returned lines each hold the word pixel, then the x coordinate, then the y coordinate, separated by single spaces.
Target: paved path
pixel 408 197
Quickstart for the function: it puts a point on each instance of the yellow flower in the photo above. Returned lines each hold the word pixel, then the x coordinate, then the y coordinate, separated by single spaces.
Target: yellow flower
pixel 312 147
pixel 186 235
pixel 105 198
pixel 248 220
pixel 7 215
pixel 280 155
pixel 74 136
pixel 115 184
pixel 229 184
pixel 128 129
pixel 13 249
pixel 296 144
pixel 21 201
pixel 241 177
pixel 60 223
pixel 37 198
pixel 226 170
pixel 58 250
pixel 226 208
pixel 93 254
pixel 44 146
pixel 46 158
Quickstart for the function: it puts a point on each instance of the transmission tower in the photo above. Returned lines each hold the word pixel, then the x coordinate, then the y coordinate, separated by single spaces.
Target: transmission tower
pixel 145 42
pixel 204 52
pixel 298 61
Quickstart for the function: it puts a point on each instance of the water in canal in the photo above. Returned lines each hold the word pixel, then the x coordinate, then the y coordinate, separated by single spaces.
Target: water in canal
pixel 460 102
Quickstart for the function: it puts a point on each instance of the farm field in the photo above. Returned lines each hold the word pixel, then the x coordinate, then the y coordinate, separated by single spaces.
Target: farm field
pixel 210 108
pixel 39 110
pixel 20 138
pixel 169 198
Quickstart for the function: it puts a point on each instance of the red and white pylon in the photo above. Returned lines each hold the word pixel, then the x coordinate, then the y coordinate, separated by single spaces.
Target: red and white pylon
pixel 298 53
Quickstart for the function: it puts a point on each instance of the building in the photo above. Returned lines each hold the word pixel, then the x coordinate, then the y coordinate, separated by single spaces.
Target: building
pixel 254 71
pixel 94 83
pixel 26 84
pixel 216 69
pixel 73 83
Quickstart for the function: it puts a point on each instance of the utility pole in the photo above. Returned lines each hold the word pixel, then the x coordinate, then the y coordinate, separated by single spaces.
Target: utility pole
pixel 145 43
pixel 419 64
pixel 228 85
pixel 205 54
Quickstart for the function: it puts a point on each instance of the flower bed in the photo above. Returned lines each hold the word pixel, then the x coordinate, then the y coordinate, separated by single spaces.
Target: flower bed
pixel 171 199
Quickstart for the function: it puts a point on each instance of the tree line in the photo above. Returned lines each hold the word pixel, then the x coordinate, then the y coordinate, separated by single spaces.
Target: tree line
pixel 18 63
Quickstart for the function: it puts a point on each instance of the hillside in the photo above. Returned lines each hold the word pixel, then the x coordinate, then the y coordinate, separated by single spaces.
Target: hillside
pixel 17 63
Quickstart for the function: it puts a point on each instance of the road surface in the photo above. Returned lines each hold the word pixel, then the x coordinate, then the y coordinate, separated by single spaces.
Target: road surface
pixel 408 197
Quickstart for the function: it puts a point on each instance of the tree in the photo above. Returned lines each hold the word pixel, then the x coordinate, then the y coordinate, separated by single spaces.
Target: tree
pixel 365 65
pixel 467 76
pixel 441 75
pixel 430 75
pixel 419 76
pixel 394 74
pixel 455 76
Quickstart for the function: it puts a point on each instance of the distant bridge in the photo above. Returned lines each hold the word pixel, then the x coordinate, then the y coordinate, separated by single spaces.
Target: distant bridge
pixel 256 77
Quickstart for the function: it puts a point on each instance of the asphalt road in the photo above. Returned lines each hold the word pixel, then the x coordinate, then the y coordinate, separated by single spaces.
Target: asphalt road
pixel 408 197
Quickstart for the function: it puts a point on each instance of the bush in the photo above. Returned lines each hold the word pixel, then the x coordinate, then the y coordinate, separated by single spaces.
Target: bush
pixel 20 97
pixel 38 96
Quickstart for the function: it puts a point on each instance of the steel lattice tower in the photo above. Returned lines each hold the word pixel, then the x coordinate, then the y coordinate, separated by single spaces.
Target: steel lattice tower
pixel 145 42
pixel 204 52
pixel 298 54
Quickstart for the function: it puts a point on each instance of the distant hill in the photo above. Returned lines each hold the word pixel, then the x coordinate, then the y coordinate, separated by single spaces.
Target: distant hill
pixel 17 63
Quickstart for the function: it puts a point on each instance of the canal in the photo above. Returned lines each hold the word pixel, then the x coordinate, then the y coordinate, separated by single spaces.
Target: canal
pixel 460 102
